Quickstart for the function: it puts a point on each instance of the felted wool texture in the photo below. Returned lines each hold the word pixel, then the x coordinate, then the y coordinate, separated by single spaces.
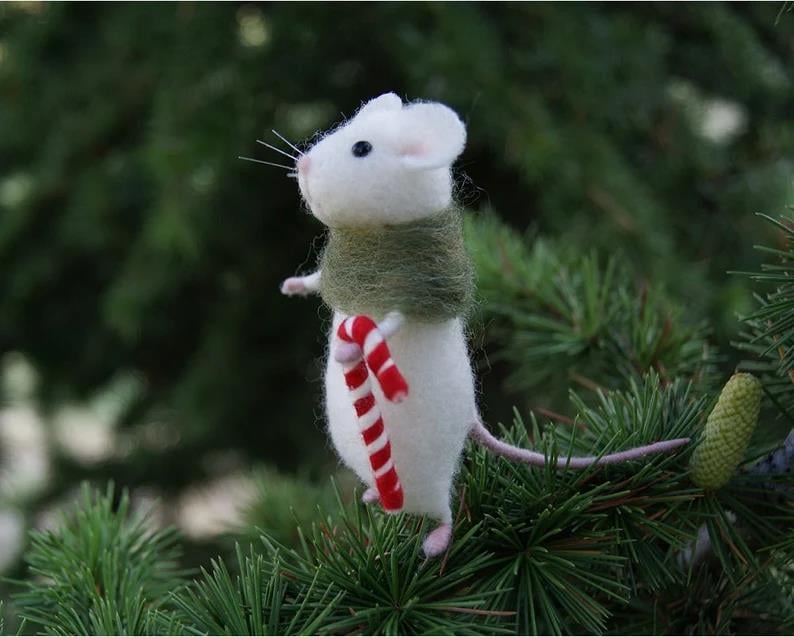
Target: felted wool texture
pixel 405 177
pixel 728 430
pixel 429 428
pixel 420 267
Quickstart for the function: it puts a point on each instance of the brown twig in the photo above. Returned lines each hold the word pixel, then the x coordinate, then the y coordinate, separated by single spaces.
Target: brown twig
pixel 558 417
pixel 585 382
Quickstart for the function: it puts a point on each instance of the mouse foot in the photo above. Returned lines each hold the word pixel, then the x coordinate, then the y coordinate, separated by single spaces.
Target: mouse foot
pixel 370 496
pixel 438 540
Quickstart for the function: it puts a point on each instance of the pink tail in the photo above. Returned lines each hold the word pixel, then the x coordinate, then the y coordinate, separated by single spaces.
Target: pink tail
pixel 484 437
pixel 364 332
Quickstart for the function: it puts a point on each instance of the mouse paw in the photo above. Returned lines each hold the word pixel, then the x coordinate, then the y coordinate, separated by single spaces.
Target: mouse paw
pixel 370 496
pixel 347 352
pixel 438 540
pixel 294 285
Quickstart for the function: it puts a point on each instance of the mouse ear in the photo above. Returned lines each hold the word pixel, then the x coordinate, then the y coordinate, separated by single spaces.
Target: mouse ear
pixel 433 136
pixel 385 102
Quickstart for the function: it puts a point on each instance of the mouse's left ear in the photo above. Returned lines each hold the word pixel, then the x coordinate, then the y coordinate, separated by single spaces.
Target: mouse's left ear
pixel 432 136
pixel 385 102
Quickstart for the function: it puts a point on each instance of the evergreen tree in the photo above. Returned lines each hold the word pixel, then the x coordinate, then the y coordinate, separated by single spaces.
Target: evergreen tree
pixel 635 548
pixel 605 203
pixel 133 242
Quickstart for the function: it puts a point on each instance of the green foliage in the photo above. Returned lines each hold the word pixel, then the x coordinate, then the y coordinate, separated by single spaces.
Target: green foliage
pixel 131 238
pixel 254 602
pixel 563 536
pixel 708 604
pixel 561 316
pixel 770 328
pixel 282 504
pixel 133 245
pixel 102 572
pixel 535 551
pixel 742 585
pixel 388 587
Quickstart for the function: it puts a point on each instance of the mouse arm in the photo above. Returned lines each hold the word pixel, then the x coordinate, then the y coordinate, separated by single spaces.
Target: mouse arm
pixel 301 285
pixel 391 323
pixel 348 352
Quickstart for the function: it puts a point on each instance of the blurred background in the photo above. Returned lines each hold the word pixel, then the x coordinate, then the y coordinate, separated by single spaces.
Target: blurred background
pixel 142 335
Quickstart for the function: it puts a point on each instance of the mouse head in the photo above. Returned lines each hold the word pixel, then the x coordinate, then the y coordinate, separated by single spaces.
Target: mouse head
pixel 389 164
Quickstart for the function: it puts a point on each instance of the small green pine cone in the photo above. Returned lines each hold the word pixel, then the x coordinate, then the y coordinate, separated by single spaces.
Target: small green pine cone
pixel 728 430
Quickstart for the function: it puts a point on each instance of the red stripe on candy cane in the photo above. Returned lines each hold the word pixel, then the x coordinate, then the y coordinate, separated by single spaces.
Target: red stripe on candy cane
pixel 378 356
pixel 388 481
pixel 364 332
pixel 371 434
pixel 363 405
pixel 356 376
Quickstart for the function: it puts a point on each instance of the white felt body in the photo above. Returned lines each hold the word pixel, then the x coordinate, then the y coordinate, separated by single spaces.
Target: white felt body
pixel 429 428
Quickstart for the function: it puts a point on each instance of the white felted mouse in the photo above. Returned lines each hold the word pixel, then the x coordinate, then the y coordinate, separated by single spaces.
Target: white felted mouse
pixel 400 396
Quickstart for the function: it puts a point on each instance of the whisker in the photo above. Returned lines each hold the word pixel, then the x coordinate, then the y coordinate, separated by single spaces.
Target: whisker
pixel 278 150
pixel 292 175
pixel 269 163
pixel 287 142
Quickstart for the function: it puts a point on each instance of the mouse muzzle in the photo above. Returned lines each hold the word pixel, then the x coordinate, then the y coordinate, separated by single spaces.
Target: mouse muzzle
pixel 303 164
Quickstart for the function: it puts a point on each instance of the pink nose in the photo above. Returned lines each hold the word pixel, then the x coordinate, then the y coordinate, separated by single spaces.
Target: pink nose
pixel 303 164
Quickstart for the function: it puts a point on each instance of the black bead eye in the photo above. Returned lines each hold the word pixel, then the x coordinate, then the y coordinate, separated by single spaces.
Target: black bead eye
pixel 361 149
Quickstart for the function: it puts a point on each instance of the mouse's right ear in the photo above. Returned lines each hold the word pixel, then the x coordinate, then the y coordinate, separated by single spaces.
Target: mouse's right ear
pixel 433 136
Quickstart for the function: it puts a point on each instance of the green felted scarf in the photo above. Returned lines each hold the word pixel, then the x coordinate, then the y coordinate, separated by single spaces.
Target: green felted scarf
pixel 420 267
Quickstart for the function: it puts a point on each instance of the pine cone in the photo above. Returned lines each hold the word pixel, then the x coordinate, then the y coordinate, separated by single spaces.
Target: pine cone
pixel 728 430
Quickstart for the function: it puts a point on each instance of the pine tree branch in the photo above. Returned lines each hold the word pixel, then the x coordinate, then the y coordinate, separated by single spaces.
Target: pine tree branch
pixel 770 335
pixel 104 571
pixel 559 315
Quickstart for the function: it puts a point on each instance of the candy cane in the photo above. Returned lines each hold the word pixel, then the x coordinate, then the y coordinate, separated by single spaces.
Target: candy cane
pixel 364 332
